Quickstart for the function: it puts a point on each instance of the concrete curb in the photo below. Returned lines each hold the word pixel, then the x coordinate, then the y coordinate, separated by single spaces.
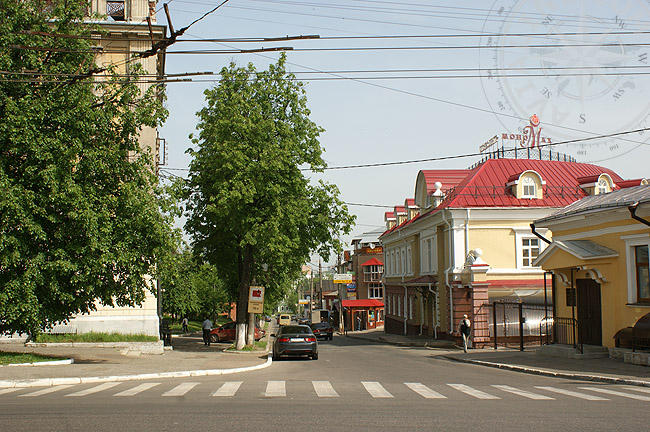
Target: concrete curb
pixel 46 382
pixel 566 375
pixel 44 363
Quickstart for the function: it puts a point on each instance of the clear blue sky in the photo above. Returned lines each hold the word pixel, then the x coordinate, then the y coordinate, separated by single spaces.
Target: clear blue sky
pixel 436 98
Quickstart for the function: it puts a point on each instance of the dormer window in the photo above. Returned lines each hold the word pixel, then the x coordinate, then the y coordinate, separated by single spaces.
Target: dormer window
pixel 603 186
pixel 529 188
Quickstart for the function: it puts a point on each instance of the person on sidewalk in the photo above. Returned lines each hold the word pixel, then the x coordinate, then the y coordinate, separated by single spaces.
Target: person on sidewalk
pixel 358 323
pixel 465 328
pixel 207 328
pixel 184 324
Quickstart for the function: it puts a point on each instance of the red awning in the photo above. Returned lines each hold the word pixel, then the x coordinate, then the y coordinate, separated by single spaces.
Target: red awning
pixel 362 303
pixel 373 261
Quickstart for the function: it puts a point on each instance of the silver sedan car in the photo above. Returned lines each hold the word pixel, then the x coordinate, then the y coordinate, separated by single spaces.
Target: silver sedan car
pixel 295 340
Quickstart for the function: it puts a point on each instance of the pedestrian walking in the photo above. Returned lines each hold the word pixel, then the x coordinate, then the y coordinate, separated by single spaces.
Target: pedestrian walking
pixel 184 324
pixel 465 328
pixel 207 327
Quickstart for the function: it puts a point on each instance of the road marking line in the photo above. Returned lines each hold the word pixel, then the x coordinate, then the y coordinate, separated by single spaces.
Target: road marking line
pixel 137 389
pixel 617 393
pixel 228 389
pixel 572 393
pixel 425 391
pixel 47 390
pixel 9 390
pixel 376 390
pixel 181 389
pixel 523 393
pixel 324 389
pixel 639 389
pixel 472 392
pixel 95 389
pixel 275 389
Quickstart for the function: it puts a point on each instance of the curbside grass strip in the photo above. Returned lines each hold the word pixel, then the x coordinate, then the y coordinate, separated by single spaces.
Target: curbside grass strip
pixel 48 382
pixel 532 371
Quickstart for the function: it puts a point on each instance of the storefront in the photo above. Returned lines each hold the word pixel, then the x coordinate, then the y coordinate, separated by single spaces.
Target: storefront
pixel 363 314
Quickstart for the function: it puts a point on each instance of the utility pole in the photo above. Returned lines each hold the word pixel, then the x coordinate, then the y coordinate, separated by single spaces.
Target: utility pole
pixel 338 270
pixel 320 277
pixel 311 297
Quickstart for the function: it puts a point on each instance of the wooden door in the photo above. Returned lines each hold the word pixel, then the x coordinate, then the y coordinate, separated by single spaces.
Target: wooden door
pixel 590 322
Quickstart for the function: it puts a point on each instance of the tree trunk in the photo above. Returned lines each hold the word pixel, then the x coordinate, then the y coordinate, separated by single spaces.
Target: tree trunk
pixel 250 334
pixel 245 267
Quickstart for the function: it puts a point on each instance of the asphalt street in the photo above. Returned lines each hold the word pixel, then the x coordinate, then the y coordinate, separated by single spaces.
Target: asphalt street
pixel 355 385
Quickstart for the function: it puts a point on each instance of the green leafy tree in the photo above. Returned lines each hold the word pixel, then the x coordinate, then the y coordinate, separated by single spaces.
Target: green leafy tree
pixel 251 210
pixel 79 219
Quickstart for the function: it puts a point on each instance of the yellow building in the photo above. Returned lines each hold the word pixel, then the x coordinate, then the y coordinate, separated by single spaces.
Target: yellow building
pixel 126 31
pixel 470 244
pixel 599 259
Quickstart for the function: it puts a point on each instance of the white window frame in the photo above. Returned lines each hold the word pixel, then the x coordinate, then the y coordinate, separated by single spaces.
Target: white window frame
pixel 602 186
pixel 373 289
pixel 520 235
pixel 428 263
pixel 526 183
pixel 530 248
pixel 631 242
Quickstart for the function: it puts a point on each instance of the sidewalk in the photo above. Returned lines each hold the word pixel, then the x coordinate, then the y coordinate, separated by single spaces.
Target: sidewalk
pixel 595 369
pixel 189 357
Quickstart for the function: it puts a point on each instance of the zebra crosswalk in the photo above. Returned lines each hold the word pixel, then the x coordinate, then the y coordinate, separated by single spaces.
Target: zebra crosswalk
pixel 325 389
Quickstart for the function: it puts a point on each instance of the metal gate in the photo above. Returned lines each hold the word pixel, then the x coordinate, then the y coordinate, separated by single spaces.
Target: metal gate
pixel 517 325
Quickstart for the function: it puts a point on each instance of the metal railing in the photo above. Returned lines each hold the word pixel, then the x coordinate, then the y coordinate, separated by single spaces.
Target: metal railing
pixel 525 153
pixel 565 332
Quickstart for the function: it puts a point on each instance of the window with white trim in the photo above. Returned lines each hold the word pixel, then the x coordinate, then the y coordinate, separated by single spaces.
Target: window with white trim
pixel 638 278
pixel 409 261
pixel 602 186
pixel 373 273
pixel 427 255
pixel 529 251
pixel 528 187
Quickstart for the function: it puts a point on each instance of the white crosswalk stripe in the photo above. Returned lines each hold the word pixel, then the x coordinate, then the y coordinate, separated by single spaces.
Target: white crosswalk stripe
pixel 137 389
pixel 639 389
pixel 95 389
pixel 617 393
pixel 8 390
pixel 425 391
pixel 275 389
pixel 572 393
pixel 523 393
pixel 46 390
pixel 324 389
pixel 472 392
pixel 376 390
pixel 228 389
pixel 181 389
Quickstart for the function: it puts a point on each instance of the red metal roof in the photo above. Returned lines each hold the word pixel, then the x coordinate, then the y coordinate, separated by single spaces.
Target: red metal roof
pixel 362 303
pixel 373 261
pixel 448 178
pixel 485 186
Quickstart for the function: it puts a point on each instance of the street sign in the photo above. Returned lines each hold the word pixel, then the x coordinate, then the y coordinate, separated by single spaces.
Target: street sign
pixel 256 299
pixel 303 301
pixel 345 278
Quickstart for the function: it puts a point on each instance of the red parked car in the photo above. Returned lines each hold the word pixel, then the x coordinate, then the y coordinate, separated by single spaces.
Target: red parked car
pixel 227 332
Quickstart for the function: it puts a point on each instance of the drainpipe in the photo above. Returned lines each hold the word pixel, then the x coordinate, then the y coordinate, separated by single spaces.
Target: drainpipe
pixel 632 210
pixel 421 310
pixel 405 307
pixel 538 235
pixel 434 312
pixel 450 267
pixel 467 232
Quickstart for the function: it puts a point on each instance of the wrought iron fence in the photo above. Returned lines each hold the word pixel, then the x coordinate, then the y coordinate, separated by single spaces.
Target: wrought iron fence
pixel 515 324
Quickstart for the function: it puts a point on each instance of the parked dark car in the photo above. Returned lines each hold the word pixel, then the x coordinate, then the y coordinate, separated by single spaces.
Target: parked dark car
pixel 303 321
pixel 323 330
pixel 295 340
pixel 227 332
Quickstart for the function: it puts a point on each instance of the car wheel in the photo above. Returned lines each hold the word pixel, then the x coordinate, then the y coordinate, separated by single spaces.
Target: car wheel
pixel 214 338
pixel 314 356
pixel 275 357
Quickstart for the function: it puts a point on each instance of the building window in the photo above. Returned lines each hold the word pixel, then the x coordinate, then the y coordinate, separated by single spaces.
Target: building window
pixel 603 186
pixel 529 251
pixel 409 261
pixel 529 188
pixel 372 273
pixel 115 10
pixel 642 274
pixel 375 290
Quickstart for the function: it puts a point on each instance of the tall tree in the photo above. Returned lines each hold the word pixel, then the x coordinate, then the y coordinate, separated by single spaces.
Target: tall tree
pixel 251 210
pixel 79 221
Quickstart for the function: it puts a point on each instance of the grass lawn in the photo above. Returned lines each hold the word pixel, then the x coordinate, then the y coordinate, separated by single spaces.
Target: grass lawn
pixel 95 337
pixel 11 358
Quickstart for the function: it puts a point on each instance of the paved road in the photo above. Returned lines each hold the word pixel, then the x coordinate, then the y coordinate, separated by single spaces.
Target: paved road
pixel 354 386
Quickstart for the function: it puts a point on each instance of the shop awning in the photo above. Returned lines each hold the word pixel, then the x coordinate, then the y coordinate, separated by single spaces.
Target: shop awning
pixel 373 261
pixel 362 303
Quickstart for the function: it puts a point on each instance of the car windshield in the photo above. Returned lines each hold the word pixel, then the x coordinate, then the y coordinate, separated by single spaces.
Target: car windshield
pixel 320 325
pixel 295 330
